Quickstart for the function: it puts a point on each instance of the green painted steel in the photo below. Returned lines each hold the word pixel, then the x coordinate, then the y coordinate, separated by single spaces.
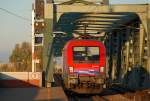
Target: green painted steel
pixel 48 50
pixel 148 26
pixel 68 22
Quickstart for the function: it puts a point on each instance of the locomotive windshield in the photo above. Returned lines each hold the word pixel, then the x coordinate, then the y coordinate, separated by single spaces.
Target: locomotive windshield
pixel 88 54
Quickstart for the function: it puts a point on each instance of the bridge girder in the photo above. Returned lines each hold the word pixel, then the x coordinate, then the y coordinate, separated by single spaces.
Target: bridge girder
pixel 107 13
pixel 101 9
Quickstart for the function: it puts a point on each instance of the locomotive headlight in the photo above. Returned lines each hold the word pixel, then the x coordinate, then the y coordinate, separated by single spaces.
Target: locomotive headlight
pixel 102 69
pixel 71 69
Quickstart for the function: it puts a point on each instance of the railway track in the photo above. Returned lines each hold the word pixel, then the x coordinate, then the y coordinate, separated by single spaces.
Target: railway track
pixel 116 92
pixel 112 94
pixel 87 98
pixel 99 98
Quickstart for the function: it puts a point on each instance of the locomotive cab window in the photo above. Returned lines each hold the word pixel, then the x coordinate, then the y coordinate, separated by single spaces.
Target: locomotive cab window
pixel 88 54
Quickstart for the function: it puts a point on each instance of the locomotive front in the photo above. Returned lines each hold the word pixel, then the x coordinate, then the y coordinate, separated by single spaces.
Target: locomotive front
pixel 84 65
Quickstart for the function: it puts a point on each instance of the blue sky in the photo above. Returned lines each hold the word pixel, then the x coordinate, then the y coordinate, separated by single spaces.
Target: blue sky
pixel 14 30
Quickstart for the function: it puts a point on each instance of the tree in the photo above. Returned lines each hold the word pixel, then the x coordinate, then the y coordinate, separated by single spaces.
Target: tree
pixel 22 57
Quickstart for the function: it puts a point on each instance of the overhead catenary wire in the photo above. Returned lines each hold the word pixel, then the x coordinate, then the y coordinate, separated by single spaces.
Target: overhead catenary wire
pixel 66 22
pixel 16 15
pixel 21 17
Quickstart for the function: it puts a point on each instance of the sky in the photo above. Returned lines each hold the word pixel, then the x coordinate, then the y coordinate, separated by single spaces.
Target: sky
pixel 15 30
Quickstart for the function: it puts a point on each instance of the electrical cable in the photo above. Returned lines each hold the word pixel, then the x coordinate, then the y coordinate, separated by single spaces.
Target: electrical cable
pixel 18 16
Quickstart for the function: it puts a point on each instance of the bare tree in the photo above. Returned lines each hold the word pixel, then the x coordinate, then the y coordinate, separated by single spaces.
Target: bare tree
pixel 21 57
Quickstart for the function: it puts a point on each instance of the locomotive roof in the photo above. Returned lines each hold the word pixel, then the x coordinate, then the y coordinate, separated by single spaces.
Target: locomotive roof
pixel 82 41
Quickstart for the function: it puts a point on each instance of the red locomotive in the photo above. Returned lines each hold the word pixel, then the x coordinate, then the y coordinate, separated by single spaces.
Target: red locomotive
pixel 84 66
